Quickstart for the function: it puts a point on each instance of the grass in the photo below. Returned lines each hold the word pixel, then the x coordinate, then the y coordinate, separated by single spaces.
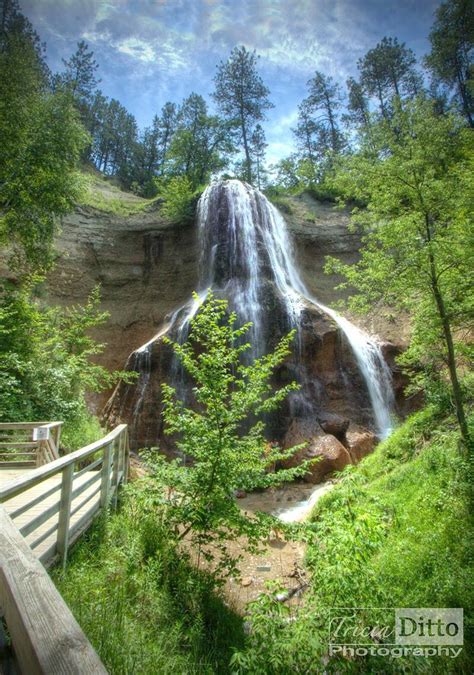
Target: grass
pixel 101 194
pixel 396 531
pixel 144 610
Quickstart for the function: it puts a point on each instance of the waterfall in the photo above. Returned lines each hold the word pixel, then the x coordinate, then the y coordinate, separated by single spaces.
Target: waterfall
pixel 250 252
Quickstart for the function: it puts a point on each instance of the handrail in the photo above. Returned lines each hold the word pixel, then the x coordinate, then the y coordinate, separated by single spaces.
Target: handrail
pixel 39 474
pixel 43 449
pixel 46 637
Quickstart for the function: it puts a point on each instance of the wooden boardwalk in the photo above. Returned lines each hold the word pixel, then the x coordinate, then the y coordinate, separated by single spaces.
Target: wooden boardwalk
pixel 46 503
pixel 29 506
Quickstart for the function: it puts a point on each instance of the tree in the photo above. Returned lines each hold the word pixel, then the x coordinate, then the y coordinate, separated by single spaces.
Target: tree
pixel 418 253
pixel 388 70
pixel 242 97
pixel 451 56
pixel 323 103
pixel 200 142
pixel 199 501
pixel 166 126
pixel 306 134
pixel 358 113
pixel 80 78
pixel 42 139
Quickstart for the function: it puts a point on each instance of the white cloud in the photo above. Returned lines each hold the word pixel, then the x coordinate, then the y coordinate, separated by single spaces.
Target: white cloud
pixel 137 49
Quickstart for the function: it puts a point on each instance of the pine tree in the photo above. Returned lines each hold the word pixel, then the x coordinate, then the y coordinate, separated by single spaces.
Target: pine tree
pixel 80 78
pixel 323 103
pixel 452 52
pixel 259 146
pixel 242 98
pixel 389 70
pixel 358 113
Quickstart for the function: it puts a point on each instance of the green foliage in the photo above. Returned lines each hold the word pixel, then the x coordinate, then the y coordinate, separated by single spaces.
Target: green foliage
pixel 46 358
pixel 180 200
pixel 223 439
pixel 200 143
pixel 143 608
pixel 452 51
pixel 42 139
pixel 388 73
pixel 81 431
pixel 415 175
pixel 394 532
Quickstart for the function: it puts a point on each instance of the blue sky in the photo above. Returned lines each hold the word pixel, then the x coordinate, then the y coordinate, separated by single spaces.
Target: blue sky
pixel 152 51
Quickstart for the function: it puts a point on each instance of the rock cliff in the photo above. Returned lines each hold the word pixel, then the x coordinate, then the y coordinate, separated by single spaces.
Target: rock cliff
pixel 148 267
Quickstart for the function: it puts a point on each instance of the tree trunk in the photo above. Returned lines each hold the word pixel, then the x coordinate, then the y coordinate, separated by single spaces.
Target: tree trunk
pixel 464 98
pixel 332 124
pixel 248 171
pixel 457 393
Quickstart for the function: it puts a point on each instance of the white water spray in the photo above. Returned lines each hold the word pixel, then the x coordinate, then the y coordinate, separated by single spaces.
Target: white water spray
pixel 241 258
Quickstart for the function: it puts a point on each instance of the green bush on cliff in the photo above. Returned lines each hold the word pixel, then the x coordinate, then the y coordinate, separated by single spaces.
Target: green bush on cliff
pixel 179 200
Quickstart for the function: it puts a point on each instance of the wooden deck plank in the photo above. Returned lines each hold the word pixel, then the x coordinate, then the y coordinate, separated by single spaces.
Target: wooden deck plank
pixel 26 497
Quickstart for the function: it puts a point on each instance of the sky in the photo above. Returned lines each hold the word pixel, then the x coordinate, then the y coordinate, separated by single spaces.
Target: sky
pixel 153 51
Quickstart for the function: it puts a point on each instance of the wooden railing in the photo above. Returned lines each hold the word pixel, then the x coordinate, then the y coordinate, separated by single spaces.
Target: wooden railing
pixel 103 464
pixel 27 444
pixel 46 638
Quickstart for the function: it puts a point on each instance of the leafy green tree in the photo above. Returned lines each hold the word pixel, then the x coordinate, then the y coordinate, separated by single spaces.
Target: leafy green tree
pixel 179 199
pixel 42 139
pixel 418 251
pixel 224 438
pixel 242 97
pixel 46 357
pixel 389 70
pixel 452 50
pixel 286 172
pixel 200 143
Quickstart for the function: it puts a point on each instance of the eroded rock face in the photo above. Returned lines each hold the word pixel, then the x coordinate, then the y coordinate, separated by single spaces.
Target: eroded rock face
pixel 147 268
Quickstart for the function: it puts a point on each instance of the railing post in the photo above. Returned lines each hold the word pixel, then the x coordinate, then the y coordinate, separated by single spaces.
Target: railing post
pixel 116 468
pixel 105 482
pixel 65 512
pixel 126 457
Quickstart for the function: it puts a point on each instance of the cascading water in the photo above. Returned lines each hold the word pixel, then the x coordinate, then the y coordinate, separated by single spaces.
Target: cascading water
pixel 257 231
pixel 246 256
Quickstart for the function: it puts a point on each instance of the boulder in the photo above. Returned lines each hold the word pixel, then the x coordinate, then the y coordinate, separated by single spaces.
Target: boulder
pixel 336 425
pixel 360 443
pixel 333 455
